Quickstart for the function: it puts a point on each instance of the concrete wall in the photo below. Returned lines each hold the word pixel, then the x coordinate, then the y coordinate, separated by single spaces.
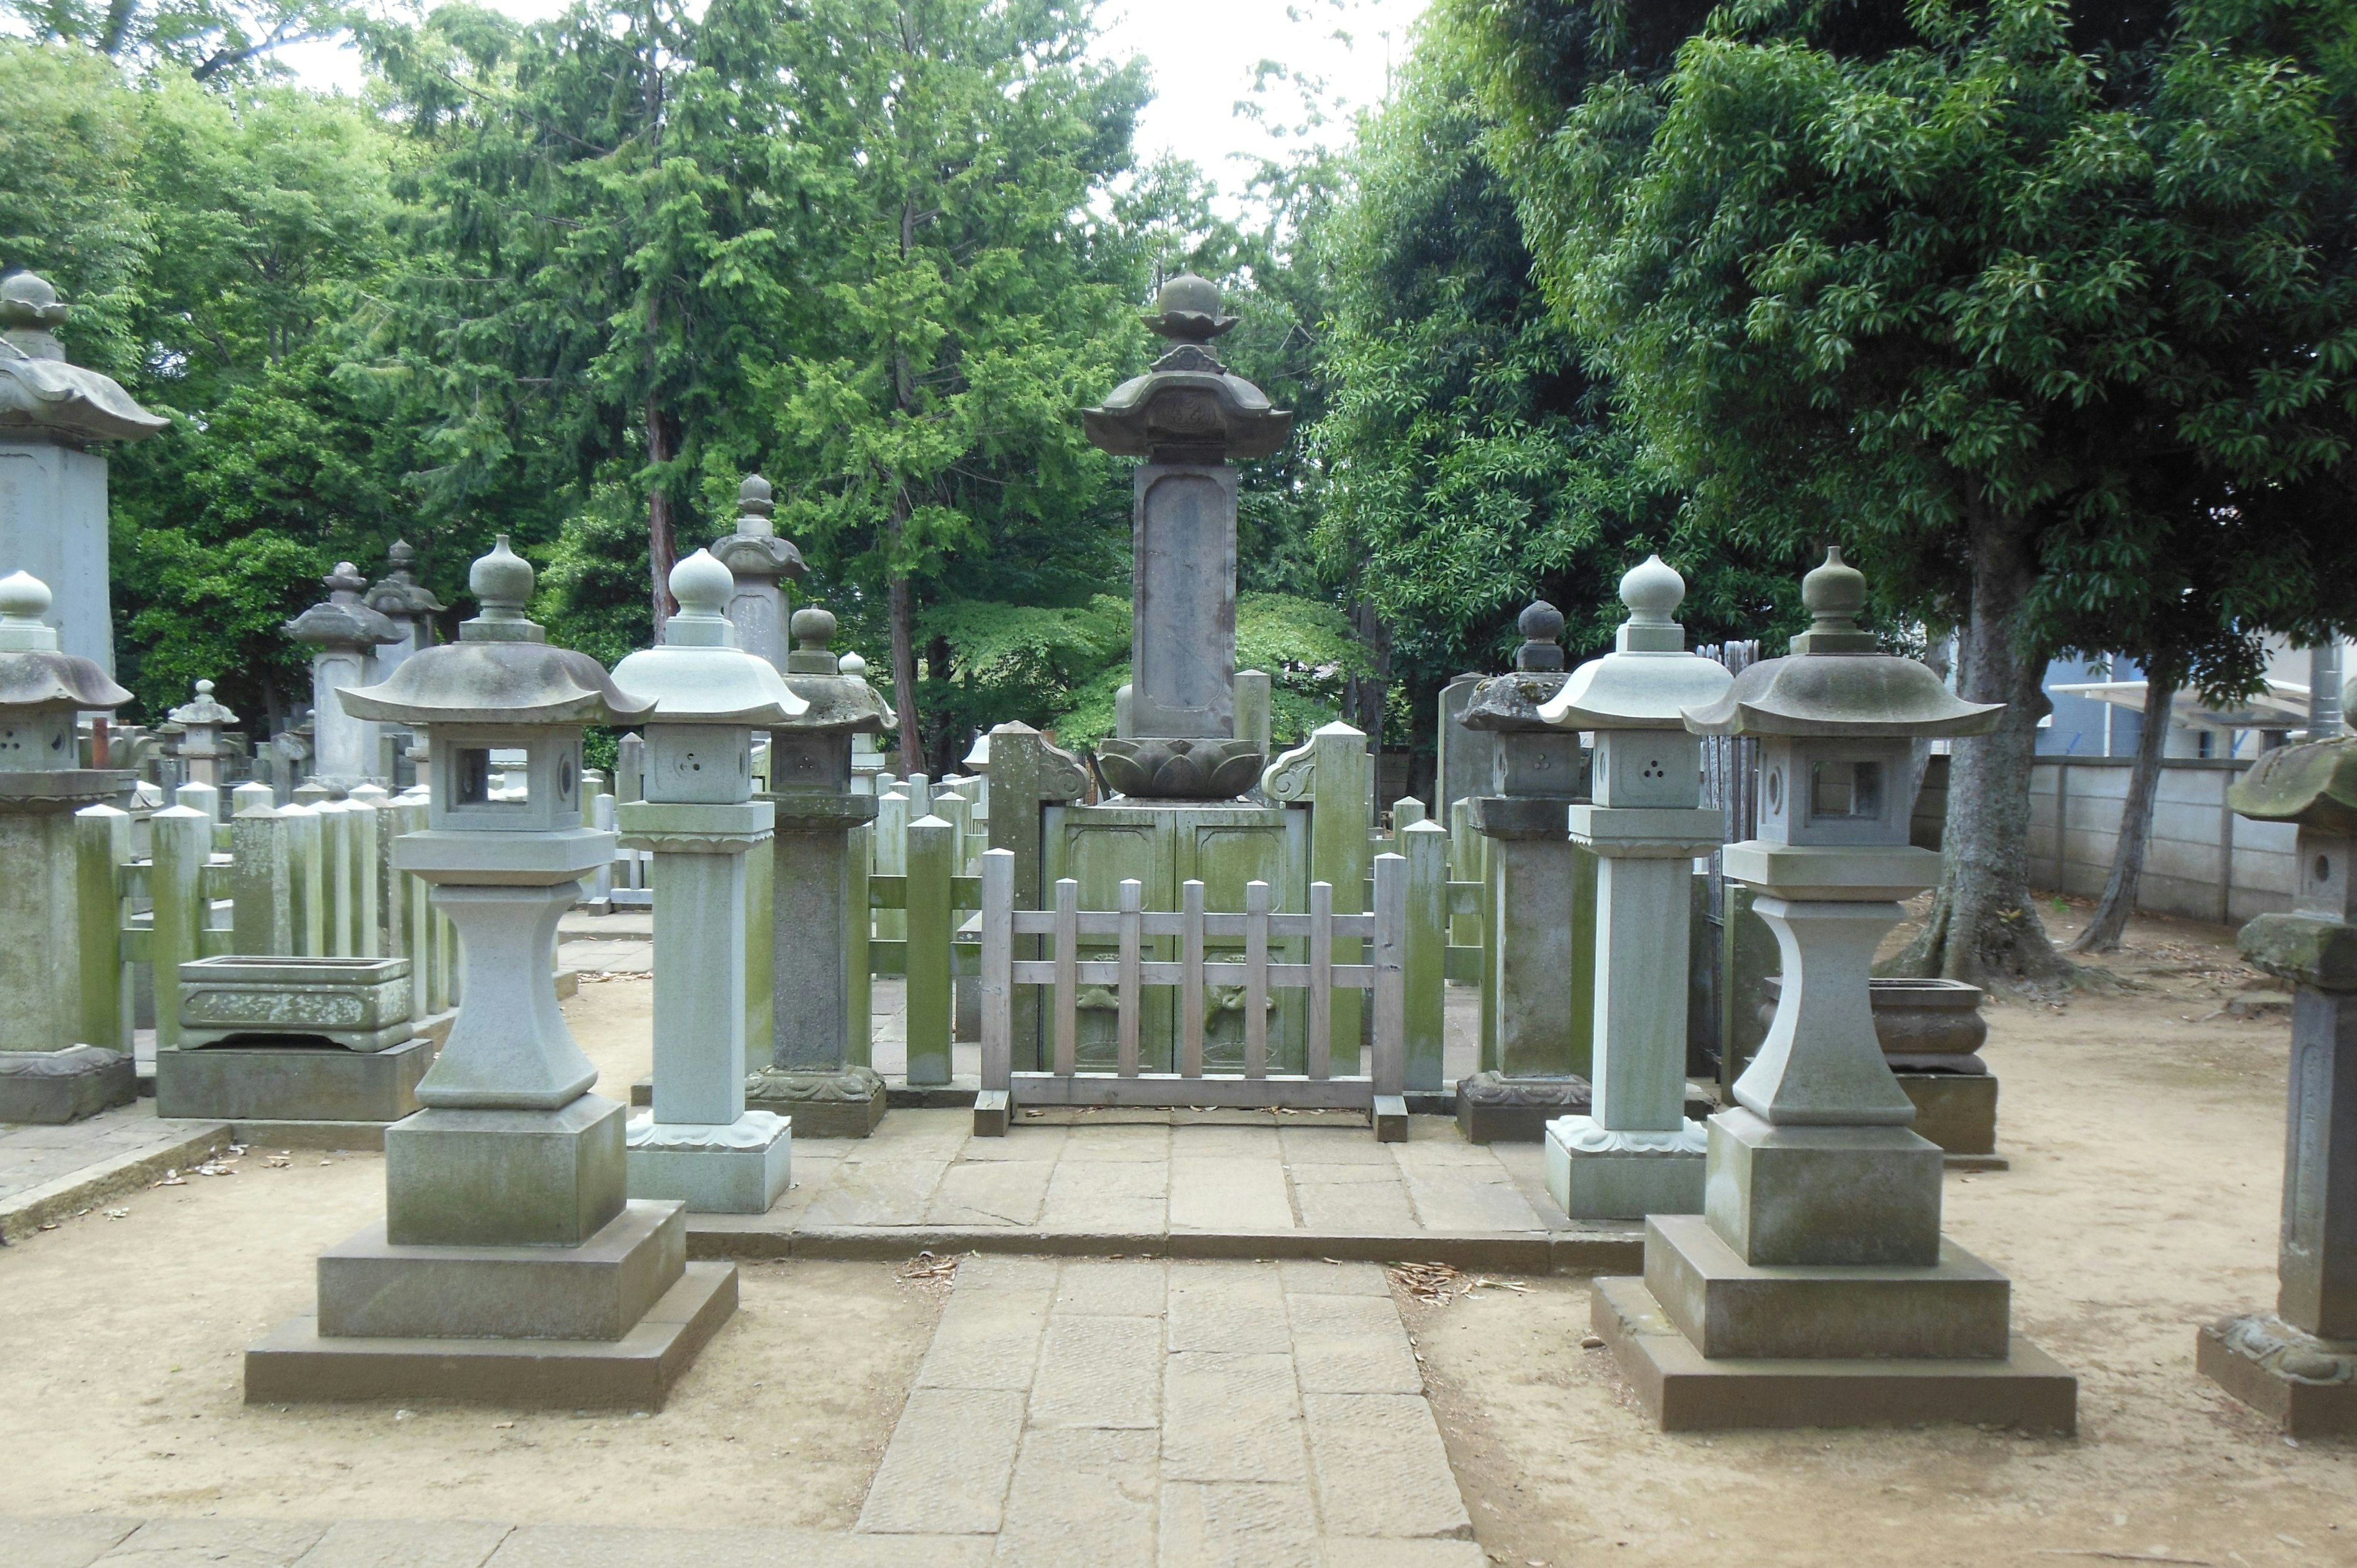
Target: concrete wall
pixel 2202 862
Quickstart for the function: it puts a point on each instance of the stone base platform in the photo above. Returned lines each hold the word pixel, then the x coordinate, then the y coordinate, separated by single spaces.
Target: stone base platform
pixel 373 1289
pixel 2308 1386
pixel 291 1082
pixel 1957 1110
pixel 52 1088
pixel 296 1364
pixel 737 1169
pixel 847 1103
pixel 1623 1184
pixel 1686 1393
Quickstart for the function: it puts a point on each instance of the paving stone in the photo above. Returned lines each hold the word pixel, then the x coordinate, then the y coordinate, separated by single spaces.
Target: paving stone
pixel 217 1544
pixel 1311 1173
pixel 1082 1500
pixel 1363 1551
pixel 1236 1307
pixel 59 1542
pixel 587 1546
pixel 1219 1143
pixel 1116 1143
pixel 1334 1146
pixel 1107 1197
pixel 990 1192
pixel 1446 1148
pixel 1237 1526
pixel 946 1470
pixel 1352 1345
pixel 1024 1141
pixel 877 1192
pixel 1230 1417
pixel 1113 1287
pixel 405 1543
pixel 1357 1209
pixel 1381 1468
pixel 987 1339
pixel 1459 1200
pixel 916 1133
pixel 1099 1372
pixel 992 1271
pixel 1229 1194
pixel 1310 1276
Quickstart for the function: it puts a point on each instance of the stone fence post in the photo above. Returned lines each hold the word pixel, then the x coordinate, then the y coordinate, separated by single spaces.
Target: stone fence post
pixel 1331 775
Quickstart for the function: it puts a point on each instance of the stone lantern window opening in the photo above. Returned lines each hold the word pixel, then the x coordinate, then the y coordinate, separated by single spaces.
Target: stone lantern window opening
pixel 484 781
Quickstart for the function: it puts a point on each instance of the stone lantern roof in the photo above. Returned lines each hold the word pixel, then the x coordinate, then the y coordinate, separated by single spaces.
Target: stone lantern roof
pixel 1189 408
pixel 501 671
pixel 41 392
pixel 1836 682
pixel 203 711
pixel 33 674
pixel 838 703
pixel 755 549
pixel 343 621
pixel 1512 702
pixel 699 674
pixel 398 592
pixel 1648 680
pixel 2313 785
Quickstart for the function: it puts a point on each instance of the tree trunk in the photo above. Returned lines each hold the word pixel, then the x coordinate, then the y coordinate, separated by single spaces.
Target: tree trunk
pixel 2111 919
pixel 660 550
pixel 904 653
pixel 1983 925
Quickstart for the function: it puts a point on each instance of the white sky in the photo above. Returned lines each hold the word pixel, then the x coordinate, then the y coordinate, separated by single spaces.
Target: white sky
pixel 1203 53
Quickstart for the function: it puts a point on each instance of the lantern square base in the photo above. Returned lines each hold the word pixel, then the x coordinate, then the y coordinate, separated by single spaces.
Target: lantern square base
pixel 1621 1184
pixel 2308 1386
pixel 51 1087
pixel 741 1168
pixel 290 1081
pixel 501 1178
pixel 1846 1196
pixel 1687 1392
pixel 823 1102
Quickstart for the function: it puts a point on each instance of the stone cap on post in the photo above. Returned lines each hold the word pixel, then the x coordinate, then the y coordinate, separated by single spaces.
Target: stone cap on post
pixel 837 703
pixel 1512 702
pixel 343 621
pixel 203 711
pixel 1648 680
pixel 1836 683
pixel 699 675
pixel 398 592
pixel 1189 408
pixel 501 671
pixel 2313 786
pixel 40 394
pixel 33 673
pixel 754 550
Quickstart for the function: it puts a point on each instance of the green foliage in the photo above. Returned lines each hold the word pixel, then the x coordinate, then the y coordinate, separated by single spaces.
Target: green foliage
pixel 206 40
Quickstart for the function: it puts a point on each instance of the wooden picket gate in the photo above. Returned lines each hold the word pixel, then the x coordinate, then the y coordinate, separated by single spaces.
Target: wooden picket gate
pixel 1380 1092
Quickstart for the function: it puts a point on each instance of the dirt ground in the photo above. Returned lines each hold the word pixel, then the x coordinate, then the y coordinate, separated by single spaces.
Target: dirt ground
pixel 2145 1124
pixel 120 1342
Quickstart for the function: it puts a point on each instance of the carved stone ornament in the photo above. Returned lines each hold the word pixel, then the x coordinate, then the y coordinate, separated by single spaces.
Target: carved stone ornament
pixel 851 1086
pixel 343 620
pixel 754 550
pixel 2292 1352
pixel 40 391
pixel 1189 408
pixel 398 592
pixel 1566 1091
pixel 1153 768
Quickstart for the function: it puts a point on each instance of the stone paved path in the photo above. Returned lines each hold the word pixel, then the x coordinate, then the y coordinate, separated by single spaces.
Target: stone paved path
pixel 1094 1411
pixel 49 1174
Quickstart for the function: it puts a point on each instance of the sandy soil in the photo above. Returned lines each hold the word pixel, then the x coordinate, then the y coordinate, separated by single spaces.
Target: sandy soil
pixel 2146 1130
pixel 121 1339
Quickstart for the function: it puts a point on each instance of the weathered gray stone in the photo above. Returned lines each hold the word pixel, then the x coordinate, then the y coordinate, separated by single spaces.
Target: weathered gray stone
pixel 50 1088
pixel 370 1287
pixel 291 1082
pixel 360 1005
pixel 760 563
pixel 1858 1196
pixel 495 1178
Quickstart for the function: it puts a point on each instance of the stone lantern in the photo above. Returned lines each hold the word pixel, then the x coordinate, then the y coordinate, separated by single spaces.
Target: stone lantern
pixel 1191 419
pixel 1636 1153
pixel 1815 1289
pixel 401 599
pixel 699 820
pixel 1537 989
pixel 344 635
pixel 818 1070
pixel 506 1221
pixel 50 1069
pixel 761 564
pixel 201 747
pixel 55 418
pixel 2298 1363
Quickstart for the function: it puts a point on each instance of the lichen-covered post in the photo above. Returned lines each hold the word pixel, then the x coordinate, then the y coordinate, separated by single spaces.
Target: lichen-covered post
pixel 933 852
pixel 1425 847
pixel 1538 982
pixel 1332 774
pixel 51 1067
pixel 2298 1363
pixel 703 829
pixel 818 1070
pixel 1635 1152
pixel 507 1224
pixel 1027 775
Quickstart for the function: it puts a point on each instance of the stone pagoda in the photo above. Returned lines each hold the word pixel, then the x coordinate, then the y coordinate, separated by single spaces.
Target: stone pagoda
pixel 510 1267
pixel 1815 1288
pixel 762 564
pixel 2298 1363
pixel 401 599
pixel 53 498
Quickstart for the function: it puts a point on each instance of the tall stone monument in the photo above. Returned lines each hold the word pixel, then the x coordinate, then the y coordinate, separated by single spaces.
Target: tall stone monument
pixel 1539 920
pixel 762 564
pixel 699 821
pixel 818 1069
pixel 1636 1153
pixel 1815 1289
pixel 2298 1363
pixel 344 635
pixel 52 482
pixel 51 1068
pixel 1190 419
pixel 510 1267
pixel 401 599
